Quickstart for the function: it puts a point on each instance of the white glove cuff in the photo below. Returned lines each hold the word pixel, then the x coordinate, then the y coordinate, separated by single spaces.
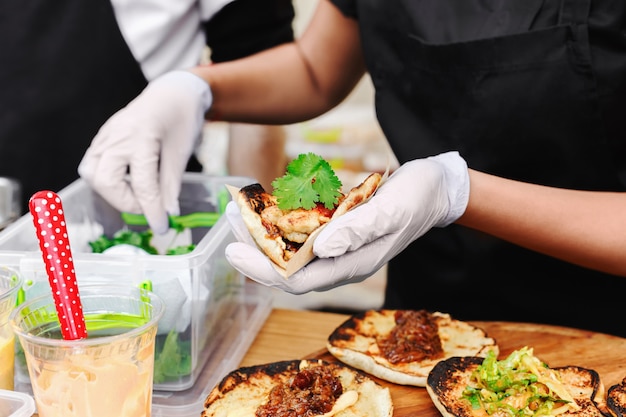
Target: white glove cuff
pixel 458 185
pixel 190 82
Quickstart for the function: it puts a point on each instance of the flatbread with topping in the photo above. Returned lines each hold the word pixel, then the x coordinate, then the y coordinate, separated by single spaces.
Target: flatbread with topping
pixel 402 346
pixel 299 388
pixel 616 399
pixel 534 391
pixel 287 236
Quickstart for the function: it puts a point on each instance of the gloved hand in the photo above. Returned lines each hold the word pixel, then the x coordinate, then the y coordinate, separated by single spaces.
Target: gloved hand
pixel 153 136
pixel 420 195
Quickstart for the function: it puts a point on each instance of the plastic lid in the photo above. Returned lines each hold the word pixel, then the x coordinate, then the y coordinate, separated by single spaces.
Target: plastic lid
pixel 16 404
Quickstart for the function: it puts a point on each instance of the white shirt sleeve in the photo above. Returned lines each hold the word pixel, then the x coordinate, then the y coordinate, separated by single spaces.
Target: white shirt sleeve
pixel 164 35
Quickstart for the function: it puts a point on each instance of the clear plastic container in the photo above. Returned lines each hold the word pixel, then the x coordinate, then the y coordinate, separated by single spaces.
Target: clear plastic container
pixel 227 349
pixel 16 404
pixel 199 288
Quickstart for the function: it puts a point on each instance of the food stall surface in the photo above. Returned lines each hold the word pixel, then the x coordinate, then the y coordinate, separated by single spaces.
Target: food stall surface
pixel 302 335
pixel 293 334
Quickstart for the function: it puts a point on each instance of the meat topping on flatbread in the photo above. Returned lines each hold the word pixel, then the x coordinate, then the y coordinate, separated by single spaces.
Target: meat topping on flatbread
pixel 292 226
pixel 298 388
pixel 415 337
pixel 297 225
pixel 311 392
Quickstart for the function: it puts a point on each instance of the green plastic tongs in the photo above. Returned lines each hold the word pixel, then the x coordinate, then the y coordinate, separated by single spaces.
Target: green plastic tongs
pixel 199 219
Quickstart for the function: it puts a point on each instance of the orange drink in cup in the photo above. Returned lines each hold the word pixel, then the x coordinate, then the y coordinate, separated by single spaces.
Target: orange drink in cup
pixel 10 283
pixel 108 373
pixel 89 353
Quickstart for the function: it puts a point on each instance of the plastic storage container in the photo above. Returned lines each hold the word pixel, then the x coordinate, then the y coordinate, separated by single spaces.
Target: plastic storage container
pixel 227 350
pixel 16 404
pixel 200 288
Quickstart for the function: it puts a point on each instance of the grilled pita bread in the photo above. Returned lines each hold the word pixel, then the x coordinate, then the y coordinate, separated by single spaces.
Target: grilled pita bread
pixel 298 384
pixel 357 342
pixel 448 380
pixel 616 399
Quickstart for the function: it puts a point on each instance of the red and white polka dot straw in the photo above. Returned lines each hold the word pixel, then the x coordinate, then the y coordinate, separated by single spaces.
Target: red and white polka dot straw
pixel 49 220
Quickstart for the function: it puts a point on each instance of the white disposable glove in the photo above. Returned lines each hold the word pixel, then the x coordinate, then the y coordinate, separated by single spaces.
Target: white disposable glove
pixel 420 195
pixel 154 137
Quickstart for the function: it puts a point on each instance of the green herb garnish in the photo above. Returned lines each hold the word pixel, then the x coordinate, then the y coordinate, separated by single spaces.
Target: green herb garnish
pixel 141 240
pixel 180 250
pixel 309 180
pixel 128 237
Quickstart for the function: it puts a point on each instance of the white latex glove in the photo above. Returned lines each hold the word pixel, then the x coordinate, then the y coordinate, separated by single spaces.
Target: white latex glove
pixel 420 195
pixel 153 136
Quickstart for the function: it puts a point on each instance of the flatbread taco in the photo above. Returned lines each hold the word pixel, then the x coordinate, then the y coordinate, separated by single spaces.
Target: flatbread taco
pixel 285 223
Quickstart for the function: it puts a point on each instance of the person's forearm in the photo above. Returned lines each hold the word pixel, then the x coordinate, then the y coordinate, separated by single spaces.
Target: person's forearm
pixel 270 87
pixel 292 82
pixel 582 227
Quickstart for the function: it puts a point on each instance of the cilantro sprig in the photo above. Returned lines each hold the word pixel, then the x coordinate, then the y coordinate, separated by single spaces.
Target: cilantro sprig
pixel 309 180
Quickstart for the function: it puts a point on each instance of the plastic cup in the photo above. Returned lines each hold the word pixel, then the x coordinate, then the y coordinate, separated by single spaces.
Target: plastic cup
pixel 110 372
pixel 10 283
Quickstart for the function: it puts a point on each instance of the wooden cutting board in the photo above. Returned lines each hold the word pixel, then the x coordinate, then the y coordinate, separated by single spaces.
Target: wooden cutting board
pixel 557 346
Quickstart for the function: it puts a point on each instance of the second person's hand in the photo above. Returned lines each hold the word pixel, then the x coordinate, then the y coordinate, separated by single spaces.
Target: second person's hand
pixel 151 141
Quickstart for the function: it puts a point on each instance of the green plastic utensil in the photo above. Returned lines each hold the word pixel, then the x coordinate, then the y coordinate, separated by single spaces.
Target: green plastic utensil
pixel 199 219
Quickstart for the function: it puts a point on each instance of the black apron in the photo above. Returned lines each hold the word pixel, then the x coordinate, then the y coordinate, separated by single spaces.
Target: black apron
pixel 468 75
pixel 64 70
